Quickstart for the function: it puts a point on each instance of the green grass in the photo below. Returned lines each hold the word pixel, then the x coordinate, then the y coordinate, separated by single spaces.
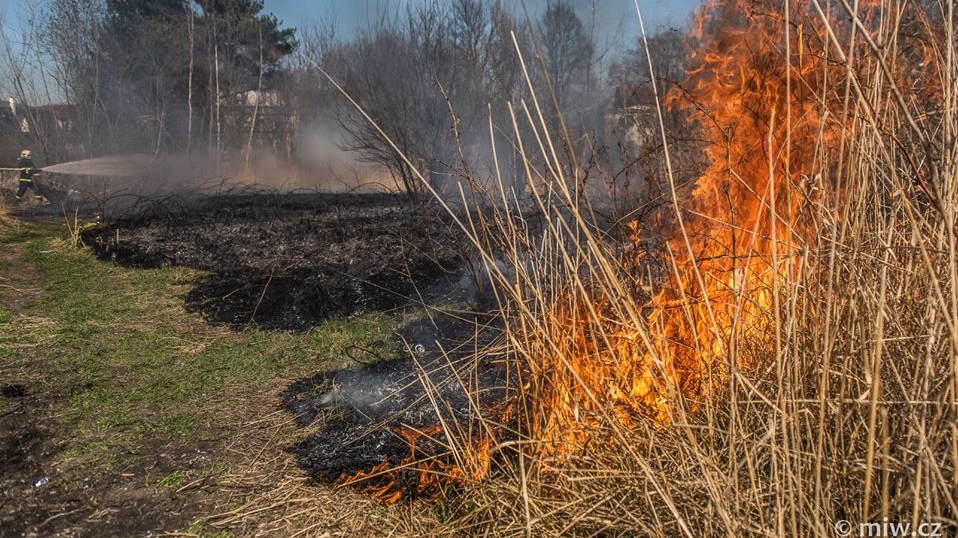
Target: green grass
pixel 137 366
pixel 174 480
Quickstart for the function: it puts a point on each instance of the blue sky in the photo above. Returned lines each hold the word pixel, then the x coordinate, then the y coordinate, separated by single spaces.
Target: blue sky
pixel 617 18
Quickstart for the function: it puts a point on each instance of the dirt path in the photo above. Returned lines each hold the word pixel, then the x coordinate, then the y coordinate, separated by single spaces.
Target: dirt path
pixel 38 499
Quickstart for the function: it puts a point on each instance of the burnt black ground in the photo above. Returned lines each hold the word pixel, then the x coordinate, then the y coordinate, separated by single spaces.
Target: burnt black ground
pixel 287 262
pixel 363 412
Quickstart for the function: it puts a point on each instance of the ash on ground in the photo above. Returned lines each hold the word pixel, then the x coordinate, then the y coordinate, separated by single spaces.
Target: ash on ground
pixel 388 413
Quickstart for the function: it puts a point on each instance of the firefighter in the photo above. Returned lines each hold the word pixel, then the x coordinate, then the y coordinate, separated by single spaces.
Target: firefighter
pixel 27 171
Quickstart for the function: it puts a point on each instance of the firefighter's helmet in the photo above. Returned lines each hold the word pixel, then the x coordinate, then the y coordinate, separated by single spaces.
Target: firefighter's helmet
pixel 25 153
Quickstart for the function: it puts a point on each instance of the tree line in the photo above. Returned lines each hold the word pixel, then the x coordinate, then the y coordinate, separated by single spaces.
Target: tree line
pixel 449 83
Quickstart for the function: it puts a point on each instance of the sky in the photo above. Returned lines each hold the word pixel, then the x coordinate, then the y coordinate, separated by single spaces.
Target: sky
pixel 618 21
pixel 617 18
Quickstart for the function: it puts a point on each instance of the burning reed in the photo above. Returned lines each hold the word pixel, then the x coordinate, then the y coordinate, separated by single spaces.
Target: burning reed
pixel 795 367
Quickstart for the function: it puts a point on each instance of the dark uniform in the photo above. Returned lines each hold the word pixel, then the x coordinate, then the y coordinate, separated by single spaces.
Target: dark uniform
pixel 27 170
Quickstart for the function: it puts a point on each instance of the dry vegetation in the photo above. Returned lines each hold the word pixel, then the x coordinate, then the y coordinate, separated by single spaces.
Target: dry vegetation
pixel 795 369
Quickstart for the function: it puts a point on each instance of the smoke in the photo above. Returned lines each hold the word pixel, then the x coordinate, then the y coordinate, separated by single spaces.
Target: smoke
pixel 319 163
pixel 331 168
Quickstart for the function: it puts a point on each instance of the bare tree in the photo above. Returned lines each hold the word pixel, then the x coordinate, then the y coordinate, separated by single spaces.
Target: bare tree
pixel 147 74
pixel 568 52
pixel 190 32
pixel 29 91
pixel 376 69
pixel 668 54
pixel 430 79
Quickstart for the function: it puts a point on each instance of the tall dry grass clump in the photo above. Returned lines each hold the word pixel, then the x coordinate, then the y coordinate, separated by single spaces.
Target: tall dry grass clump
pixel 794 371
pixel 789 367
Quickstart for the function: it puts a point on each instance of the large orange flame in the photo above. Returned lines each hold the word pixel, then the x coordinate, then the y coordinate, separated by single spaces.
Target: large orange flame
pixel 766 87
pixel 770 89
pixel 758 91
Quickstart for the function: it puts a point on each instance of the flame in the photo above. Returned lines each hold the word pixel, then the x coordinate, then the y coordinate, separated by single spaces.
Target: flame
pixel 756 91
pixel 388 483
pixel 769 88
pixel 769 91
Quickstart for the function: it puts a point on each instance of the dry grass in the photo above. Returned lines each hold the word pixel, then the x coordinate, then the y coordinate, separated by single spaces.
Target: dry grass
pixel 5 218
pixel 826 392
pixel 269 495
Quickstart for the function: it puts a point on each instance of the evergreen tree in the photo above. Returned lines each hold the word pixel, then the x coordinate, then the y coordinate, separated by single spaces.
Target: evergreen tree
pixel 151 75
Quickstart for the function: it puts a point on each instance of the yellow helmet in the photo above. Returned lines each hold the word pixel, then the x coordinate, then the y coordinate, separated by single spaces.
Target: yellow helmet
pixel 25 153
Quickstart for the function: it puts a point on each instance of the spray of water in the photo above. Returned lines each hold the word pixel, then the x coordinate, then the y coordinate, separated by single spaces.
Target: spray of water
pixel 115 166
